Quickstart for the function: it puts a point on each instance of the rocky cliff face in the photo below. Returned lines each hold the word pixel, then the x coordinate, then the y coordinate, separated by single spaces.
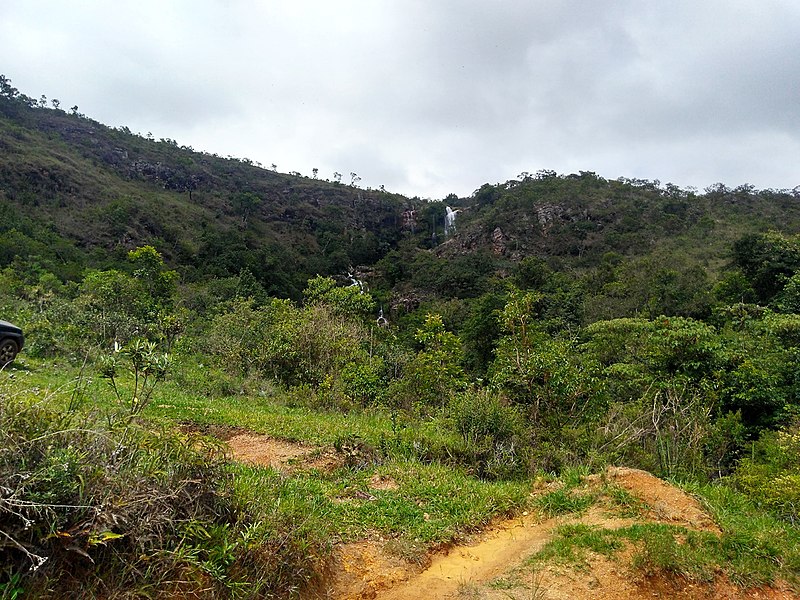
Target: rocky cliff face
pixel 499 242
pixel 529 232
pixel 547 215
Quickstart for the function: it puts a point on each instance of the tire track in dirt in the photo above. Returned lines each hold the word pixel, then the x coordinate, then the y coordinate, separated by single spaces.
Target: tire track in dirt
pixel 499 549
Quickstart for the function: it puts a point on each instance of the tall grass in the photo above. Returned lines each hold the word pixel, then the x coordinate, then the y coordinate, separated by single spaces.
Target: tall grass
pixel 92 504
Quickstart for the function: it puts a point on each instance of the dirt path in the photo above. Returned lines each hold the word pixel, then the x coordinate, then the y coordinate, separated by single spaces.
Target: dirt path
pixel 280 454
pixel 498 550
pixel 492 566
pixel 493 554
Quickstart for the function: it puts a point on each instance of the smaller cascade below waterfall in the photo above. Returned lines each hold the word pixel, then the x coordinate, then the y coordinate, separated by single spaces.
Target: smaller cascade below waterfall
pixel 355 282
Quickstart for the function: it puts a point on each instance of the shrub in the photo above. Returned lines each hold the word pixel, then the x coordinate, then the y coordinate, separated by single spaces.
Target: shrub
pixel 771 475
pixel 147 368
pixel 433 374
pixel 89 509
pixel 294 345
pixel 494 434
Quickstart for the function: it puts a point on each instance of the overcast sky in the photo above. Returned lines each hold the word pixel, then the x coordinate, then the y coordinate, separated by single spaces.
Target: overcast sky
pixel 431 97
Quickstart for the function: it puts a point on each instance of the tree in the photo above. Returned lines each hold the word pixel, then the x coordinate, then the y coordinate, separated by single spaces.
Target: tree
pixel 435 372
pixel 768 260
pixel 111 305
pixel 149 269
pixel 350 301
pixel 245 203
pixel 542 372
pixel 481 331
pixel 119 307
pixel 652 286
pixel 788 300
pixel 6 89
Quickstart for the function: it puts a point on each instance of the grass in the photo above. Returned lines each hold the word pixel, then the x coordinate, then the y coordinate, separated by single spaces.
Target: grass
pixel 433 503
pixel 469 591
pixel 659 548
pixel 573 496
pixel 563 501
pixel 754 548
pixel 173 402
pixel 93 503
pixel 283 526
pixel 621 501
pixel 572 542
pixel 288 523
pixel 515 589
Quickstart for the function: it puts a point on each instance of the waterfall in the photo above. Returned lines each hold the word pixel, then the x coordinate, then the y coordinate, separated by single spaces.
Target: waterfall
pixel 355 282
pixel 381 320
pixel 449 221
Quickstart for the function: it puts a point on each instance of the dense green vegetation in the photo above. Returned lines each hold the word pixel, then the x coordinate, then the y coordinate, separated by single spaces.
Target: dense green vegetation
pixel 570 321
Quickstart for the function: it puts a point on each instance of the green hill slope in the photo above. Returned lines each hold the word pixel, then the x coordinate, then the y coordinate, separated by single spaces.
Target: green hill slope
pixel 75 192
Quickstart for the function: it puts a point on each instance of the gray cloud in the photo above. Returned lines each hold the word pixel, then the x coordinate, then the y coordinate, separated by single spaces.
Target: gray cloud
pixel 435 97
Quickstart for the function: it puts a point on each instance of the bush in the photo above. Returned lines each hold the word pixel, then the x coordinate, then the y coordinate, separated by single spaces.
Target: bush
pixel 91 508
pixel 433 374
pixel 494 434
pixel 294 345
pixel 771 475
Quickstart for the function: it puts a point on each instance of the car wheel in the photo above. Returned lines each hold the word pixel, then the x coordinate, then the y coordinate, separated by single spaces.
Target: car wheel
pixel 8 351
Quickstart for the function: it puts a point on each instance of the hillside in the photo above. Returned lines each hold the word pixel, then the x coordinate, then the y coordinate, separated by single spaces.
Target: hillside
pixel 78 193
pixel 237 383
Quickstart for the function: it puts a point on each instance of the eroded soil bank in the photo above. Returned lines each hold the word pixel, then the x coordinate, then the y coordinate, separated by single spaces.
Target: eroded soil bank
pixel 493 566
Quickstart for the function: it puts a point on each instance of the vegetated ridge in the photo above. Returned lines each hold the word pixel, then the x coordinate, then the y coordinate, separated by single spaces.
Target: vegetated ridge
pixel 77 193
pixel 422 370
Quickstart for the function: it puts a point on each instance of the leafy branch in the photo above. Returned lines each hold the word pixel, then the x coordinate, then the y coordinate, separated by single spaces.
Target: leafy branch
pixel 147 367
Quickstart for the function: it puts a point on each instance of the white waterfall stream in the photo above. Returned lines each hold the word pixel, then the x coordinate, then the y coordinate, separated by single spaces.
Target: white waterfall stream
pixel 449 221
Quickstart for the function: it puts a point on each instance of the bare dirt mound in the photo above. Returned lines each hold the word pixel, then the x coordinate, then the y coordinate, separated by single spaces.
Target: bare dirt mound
pixel 364 570
pixel 280 454
pixel 262 450
pixel 666 502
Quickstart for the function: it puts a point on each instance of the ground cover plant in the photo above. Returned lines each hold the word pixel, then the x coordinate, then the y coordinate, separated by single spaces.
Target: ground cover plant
pixel 94 504
pixel 753 548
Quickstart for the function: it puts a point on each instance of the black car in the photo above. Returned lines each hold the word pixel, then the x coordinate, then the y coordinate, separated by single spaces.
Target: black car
pixel 11 342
